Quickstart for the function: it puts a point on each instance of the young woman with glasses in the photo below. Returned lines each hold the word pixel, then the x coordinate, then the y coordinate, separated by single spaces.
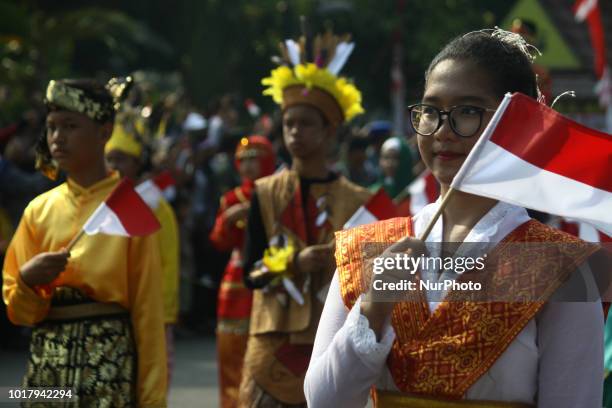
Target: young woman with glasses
pixel 430 352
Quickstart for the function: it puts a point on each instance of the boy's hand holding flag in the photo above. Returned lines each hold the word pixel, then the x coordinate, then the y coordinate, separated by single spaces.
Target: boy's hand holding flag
pixel 123 213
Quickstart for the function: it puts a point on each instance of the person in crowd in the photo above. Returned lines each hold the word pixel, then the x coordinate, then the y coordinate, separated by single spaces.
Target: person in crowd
pixel 254 158
pixel 292 218
pixel 396 167
pixel 356 167
pixel 437 352
pixel 125 154
pixel 96 311
pixel 376 133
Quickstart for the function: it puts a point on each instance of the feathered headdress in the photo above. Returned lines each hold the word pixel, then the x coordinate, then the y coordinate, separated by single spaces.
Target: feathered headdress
pixel 309 75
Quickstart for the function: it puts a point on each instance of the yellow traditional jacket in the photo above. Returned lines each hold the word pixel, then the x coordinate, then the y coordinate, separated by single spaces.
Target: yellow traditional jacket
pixel 168 237
pixel 105 268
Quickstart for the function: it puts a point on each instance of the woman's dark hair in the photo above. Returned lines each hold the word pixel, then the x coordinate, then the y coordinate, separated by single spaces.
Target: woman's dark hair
pixel 505 56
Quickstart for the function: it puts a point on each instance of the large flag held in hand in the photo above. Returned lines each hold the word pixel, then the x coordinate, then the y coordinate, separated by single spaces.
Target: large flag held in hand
pixel 532 156
pixel 379 207
pixel 122 213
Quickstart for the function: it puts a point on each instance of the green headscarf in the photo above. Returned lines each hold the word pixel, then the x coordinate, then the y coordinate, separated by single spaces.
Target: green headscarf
pixel 403 176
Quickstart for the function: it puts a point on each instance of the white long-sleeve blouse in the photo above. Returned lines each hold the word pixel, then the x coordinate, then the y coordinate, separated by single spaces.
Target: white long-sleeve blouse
pixel 555 361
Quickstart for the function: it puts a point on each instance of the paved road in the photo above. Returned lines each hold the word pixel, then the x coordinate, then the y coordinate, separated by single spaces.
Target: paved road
pixel 194 383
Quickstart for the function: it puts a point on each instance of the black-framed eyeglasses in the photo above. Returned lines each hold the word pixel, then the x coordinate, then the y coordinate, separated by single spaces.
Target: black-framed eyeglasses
pixel 464 120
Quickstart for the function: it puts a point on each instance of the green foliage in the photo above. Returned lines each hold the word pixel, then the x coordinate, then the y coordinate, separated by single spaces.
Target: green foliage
pixel 221 46
pixel 226 46
pixel 36 45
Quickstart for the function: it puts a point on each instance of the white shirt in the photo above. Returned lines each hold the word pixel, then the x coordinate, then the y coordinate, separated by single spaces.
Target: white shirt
pixel 555 361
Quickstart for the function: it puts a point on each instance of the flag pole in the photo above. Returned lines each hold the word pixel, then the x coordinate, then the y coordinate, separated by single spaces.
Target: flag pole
pixel 96 213
pixel 74 240
pixel 435 217
pixel 468 162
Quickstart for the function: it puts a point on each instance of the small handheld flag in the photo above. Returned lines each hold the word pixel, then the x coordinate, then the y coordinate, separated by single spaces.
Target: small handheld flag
pixel 123 213
pixel 379 207
pixel 152 190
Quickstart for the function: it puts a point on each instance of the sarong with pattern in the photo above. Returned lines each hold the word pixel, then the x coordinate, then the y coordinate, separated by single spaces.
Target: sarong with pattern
pixel 96 357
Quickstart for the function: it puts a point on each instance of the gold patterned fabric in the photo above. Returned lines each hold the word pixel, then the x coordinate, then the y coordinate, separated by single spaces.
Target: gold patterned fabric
pixel 444 352
pixel 389 399
pixel 96 357
pixel 74 99
pixel 351 260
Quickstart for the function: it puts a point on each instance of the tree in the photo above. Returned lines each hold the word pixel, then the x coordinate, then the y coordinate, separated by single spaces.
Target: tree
pixel 224 46
pixel 37 45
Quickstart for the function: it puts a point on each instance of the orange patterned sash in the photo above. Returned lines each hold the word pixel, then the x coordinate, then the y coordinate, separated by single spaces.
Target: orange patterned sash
pixel 444 353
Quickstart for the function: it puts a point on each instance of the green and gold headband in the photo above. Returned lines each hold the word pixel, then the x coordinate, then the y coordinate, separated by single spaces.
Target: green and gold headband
pixel 76 100
pixel 62 96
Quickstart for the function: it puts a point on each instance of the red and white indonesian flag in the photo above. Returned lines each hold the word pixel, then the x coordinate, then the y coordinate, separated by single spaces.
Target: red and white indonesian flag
pixel 122 213
pixel 582 230
pixel 379 207
pixel 152 190
pixel 423 190
pixel 530 155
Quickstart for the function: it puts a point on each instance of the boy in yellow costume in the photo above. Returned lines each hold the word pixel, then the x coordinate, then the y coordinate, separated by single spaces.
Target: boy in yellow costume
pixel 96 314
pixel 124 154
pixel 293 215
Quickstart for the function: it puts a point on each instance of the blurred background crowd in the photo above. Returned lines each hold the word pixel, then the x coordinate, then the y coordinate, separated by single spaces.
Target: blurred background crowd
pixel 196 67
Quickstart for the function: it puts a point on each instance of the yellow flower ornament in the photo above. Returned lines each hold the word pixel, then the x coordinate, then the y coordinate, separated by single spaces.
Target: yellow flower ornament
pixel 276 259
pixel 346 95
